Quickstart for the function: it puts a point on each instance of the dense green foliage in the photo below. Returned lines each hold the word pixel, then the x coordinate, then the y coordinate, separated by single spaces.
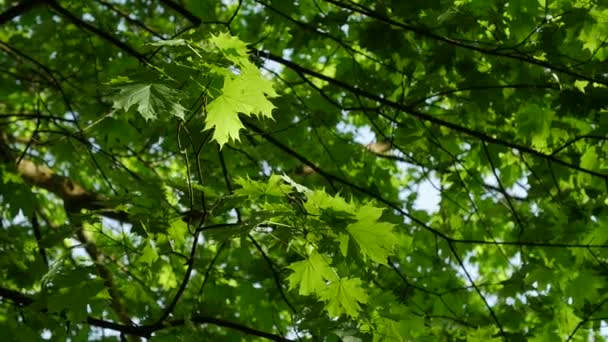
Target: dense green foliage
pixel 328 170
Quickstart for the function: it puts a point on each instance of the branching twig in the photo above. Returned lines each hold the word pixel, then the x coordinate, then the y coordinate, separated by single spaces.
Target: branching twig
pixel 427 117
pixel 275 274
pixel 106 36
pixel 147 330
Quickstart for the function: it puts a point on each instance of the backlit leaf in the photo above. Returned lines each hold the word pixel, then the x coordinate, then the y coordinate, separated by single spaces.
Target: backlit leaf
pixel 375 239
pixel 344 296
pixel 310 276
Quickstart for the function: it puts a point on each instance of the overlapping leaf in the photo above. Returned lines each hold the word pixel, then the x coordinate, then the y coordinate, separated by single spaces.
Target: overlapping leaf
pixel 151 100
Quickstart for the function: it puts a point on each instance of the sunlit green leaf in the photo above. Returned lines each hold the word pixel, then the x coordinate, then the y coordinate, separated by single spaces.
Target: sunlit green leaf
pixel 343 296
pixel 310 276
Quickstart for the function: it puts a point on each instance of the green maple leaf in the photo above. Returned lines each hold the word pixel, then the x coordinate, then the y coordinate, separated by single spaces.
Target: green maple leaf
pixel 535 122
pixel 178 230
pixel 244 94
pixel 223 116
pixel 343 297
pixel 343 241
pixel 273 187
pixel 589 159
pixel 151 100
pixel 234 49
pixel 319 200
pixel 387 330
pixel 584 286
pixel 74 299
pixel 375 239
pixel 310 274
pixel 589 36
pixel 149 254
pixel 166 277
pixel 565 318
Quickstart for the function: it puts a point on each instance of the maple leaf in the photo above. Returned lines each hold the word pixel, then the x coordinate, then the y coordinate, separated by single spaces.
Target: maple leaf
pixel 535 122
pixel 589 159
pixel 343 297
pixel 310 274
pixel 244 94
pixel 387 330
pixel 319 200
pixel 375 239
pixel 151 100
pixel 234 49
pixel 273 187
pixel 149 254
pixel 166 277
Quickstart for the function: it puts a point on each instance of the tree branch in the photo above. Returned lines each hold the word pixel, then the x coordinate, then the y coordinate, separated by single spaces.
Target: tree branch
pixel 396 207
pixel 83 24
pixel 128 18
pixel 69 191
pixel 147 330
pixel 17 10
pixel 427 117
pixel 98 260
pixel 425 32
pixel 182 287
pixel 196 21
pixel 275 274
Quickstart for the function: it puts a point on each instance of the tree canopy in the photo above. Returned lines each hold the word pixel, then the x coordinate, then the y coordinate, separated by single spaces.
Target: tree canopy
pixel 311 170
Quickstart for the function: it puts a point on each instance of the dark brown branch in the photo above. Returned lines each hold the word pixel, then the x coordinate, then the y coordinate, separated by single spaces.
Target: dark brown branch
pixel 148 330
pixel 128 18
pixel 396 207
pixel 19 56
pixel 69 191
pixel 209 267
pixel 235 13
pixel 330 177
pixel 227 324
pixel 36 116
pixel 98 259
pixel 196 21
pixel 422 31
pixel 595 309
pixel 427 117
pixel 312 28
pixel 38 236
pixel 17 10
pixel 483 298
pixel 580 137
pixel 182 287
pixel 407 282
pixel 275 274
pixel 15 296
pixel 482 88
pixel 83 24
pixel 503 190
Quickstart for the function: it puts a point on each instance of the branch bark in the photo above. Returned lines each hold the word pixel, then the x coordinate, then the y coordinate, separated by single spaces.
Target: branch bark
pixel 106 36
pixel 427 117
pixel 75 198
pixel 73 194
pixel 21 8
pixel 148 330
